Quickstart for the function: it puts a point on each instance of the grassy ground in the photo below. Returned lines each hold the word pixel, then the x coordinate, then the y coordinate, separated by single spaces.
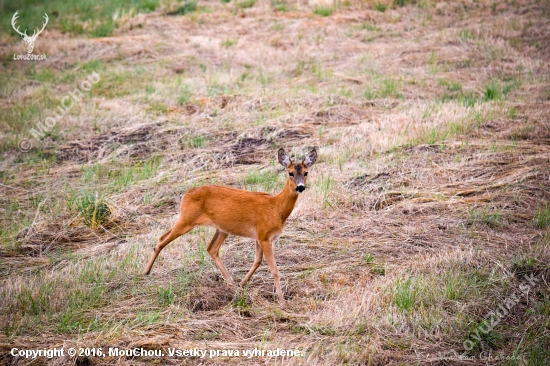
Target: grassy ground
pixel 427 208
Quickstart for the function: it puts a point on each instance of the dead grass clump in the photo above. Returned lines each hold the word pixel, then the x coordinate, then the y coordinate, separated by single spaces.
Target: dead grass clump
pixel 334 116
pixel 38 241
pixel 246 150
pixel 209 298
pixel 100 147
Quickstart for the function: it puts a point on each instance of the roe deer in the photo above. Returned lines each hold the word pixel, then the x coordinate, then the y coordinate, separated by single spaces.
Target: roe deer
pixel 254 215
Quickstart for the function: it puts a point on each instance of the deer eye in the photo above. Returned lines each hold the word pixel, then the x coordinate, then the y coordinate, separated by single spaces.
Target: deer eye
pixel 291 174
pixel 305 174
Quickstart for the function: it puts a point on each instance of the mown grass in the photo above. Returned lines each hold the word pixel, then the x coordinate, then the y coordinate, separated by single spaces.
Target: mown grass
pixel 11 207
pixel 69 301
pixel 120 175
pixel 393 247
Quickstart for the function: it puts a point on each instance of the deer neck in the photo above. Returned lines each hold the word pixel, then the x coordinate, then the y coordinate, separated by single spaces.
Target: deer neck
pixel 286 200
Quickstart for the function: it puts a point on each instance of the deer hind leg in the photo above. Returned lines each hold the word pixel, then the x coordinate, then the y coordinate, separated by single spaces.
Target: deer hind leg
pixel 165 235
pixel 213 250
pixel 255 265
pixel 267 248
pixel 177 230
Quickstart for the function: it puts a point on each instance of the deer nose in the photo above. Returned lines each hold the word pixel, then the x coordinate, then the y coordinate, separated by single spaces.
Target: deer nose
pixel 300 188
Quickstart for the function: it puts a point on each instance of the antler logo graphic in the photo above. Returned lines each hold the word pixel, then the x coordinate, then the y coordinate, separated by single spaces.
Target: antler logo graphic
pixel 29 41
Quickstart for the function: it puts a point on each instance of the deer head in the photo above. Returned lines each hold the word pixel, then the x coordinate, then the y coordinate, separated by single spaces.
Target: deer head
pixel 29 41
pixel 297 172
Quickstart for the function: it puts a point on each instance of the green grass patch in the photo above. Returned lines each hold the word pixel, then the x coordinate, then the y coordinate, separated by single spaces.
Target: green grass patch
pixel 195 141
pixel 451 86
pixel 465 35
pixel 187 8
pixel 384 88
pixel 403 2
pixel 244 4
pixel 91 17
pixel 456 286
pixel 166 295
pixel 60 302
pixel 185 95
pixel 541 219
pixel 325 183
pixel 389 88
pixel 481 340
pixel 375 267
pixel 323 11
pixel 229 42
pixel 22 114
pixel 405 294
pixel 538 353
pixel 484 216
pixel 122 81
pixel 380 7
pixel 370 27
pixel 93 65
pixel 120 175
pixel 368 258
pixel 266 180
pixel 92 208
pixel 492 91
pixel 498 90
pixel 468 100
pixel 279 5
pixel 525 263
pixel 15 218
pixel 452 90
pixel 241 304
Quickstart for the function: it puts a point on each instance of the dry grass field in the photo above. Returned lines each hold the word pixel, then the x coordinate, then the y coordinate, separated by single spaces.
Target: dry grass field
pixel 425 212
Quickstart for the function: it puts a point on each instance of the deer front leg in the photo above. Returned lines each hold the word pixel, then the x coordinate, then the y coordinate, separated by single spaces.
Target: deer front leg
pixel 267 248
pixel 257 262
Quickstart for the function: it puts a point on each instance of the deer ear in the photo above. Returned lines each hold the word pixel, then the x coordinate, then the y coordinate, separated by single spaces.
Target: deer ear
pixel 310 158
pixel 284 159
